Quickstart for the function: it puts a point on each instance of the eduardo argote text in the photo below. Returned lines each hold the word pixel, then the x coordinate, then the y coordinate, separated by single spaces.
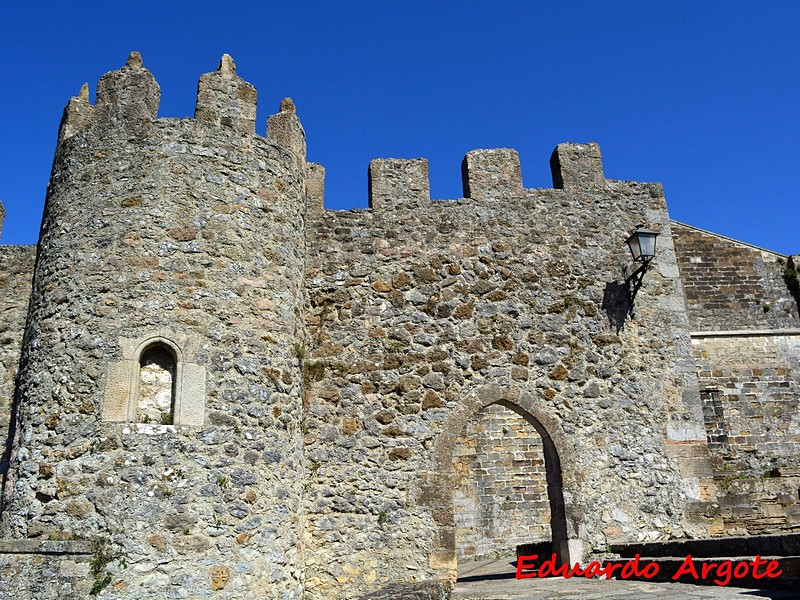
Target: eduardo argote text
pixel 721 573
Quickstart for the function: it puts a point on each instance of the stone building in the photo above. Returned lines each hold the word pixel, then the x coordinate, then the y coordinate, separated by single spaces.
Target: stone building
pixel 211 386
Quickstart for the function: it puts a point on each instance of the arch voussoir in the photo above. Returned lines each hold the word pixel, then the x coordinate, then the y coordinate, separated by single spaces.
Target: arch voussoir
pixel 563 491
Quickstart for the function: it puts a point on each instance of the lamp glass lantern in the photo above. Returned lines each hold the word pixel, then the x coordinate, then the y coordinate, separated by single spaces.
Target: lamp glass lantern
pixel 642 244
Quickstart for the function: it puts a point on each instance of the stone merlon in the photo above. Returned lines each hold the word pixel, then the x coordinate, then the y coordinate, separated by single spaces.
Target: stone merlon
pixel 128 98
pixel 225 100
pixel 397 182
pixel 491 174
pixel 285 128
pixel 577 166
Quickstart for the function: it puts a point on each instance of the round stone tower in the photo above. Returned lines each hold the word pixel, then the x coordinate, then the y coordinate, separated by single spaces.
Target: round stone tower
pixel 159 406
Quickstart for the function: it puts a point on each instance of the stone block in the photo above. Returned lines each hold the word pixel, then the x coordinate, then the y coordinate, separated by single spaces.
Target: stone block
pixel 577 166
pixel 398 183
pixel 488 174
pixel 225 100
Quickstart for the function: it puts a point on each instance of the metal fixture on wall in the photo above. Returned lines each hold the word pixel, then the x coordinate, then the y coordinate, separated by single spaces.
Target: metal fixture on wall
pixel 642 244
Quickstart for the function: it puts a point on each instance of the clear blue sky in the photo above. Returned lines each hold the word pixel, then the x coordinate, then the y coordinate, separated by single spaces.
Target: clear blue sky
pixel 702 96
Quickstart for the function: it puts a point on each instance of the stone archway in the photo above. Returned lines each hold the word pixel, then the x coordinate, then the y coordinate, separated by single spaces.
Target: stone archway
pixel 438 487
pixel 501 496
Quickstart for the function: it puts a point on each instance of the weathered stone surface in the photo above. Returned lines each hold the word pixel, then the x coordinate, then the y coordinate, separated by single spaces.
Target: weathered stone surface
pixel 232 390
pixel 16 271
pixel 731 285
pixel 184 247
pixel 429 590
pixel 47 570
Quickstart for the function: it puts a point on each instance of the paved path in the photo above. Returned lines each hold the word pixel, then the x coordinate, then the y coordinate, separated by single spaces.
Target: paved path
pixel 471 587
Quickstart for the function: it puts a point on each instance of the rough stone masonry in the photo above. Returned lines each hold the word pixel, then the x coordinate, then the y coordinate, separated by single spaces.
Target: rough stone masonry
pixel 211 386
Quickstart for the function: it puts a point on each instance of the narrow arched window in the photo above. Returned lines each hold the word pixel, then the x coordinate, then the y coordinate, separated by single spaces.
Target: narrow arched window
pixel 157 374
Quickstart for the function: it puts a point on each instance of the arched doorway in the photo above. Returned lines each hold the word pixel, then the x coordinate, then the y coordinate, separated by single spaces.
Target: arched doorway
pixel 438 488
pixel 502 491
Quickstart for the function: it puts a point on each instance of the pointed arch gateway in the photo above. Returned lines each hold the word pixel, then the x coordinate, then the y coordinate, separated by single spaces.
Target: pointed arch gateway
pixel 438 487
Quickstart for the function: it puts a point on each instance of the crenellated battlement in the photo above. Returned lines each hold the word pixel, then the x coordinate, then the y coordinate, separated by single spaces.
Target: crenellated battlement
pixel 128 101
pixel 489 174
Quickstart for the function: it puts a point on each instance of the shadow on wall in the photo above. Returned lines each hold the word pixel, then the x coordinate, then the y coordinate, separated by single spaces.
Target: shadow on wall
pixel 9 447
pixel 616 304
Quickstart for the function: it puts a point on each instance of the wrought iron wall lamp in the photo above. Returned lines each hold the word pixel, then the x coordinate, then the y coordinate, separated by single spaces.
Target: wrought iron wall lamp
pixel 642 244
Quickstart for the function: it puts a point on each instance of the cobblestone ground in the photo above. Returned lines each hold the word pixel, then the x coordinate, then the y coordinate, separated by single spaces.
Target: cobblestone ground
pixel 471 587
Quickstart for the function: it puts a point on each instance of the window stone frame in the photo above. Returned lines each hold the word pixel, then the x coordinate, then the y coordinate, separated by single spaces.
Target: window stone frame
pixel 122 382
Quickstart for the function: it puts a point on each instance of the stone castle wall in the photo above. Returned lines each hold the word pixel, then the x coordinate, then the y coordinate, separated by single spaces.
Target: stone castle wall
pixel 226 389
pixel 421 312
pixel 16 271
pixel 747 350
